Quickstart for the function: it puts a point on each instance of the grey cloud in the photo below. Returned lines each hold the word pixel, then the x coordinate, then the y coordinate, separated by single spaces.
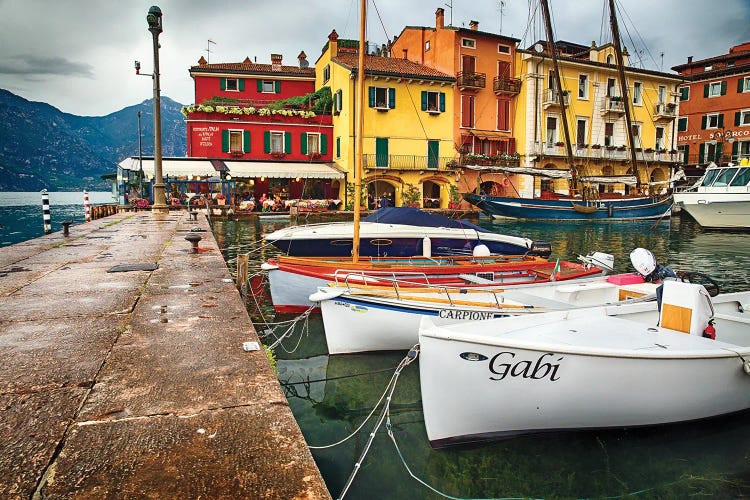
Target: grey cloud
pixel 39 65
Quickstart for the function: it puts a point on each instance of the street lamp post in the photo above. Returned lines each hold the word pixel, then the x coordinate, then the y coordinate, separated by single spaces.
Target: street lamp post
pixel 155 27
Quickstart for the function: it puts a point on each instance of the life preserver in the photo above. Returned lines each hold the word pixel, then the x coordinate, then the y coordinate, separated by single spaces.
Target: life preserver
pixel 506 182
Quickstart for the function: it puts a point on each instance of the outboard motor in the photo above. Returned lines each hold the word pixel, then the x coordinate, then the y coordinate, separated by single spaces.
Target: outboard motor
pixel 541 249
pixel 603 261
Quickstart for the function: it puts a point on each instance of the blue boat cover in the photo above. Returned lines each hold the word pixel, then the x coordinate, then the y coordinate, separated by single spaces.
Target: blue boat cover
pixel 416 217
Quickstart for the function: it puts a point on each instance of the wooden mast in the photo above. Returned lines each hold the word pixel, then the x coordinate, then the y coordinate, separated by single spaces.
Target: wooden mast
pixel 623 89
pixel 359 127
pixel 558 86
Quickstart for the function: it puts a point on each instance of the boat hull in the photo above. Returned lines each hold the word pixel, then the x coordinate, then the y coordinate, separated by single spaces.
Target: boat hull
pixel 571 209
pixel 717 210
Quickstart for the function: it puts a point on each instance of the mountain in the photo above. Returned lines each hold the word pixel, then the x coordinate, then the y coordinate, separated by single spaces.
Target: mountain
pixel 44 148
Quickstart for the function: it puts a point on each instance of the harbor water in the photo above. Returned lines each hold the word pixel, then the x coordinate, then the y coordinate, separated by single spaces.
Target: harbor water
pixel 331 396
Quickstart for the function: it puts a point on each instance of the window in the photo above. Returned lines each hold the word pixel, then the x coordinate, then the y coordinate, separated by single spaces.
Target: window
pixel 659 142
pixel 383 98
pixel 235 141
pixel 433 154
pixel 313 144
pixel 708 68
pixel 684 153
pixel 503 69
pixel 611 88
pixel 468 64
pixel 583 86
pixel 337 101
pixel 232 84
pixel 326 73
pixel 742 178
pixel 551 131
pixel 269 86
pixel 581 133
pixel 715 89
pixel 662 93
pixel 743 84
pixel 503 114
pixel 467 111
pixel 551 84
pixel 742 118
pixel 338 147
pixel 637 135
pixel 609 134
pixel 381 152
pixel 427 46
pixel 743 150
pixel 468 43
pixel 503 49
pixel 637 93
pixel 433 102
pixel 684 93
pixel 713 120
pixel 682 124
pixel 277 142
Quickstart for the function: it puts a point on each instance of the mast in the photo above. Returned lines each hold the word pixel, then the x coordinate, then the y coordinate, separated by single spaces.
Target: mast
pixel 558 86
pixel 358 129
pixel 623 89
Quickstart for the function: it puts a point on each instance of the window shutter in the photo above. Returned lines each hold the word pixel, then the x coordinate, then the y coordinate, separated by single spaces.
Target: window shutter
pixel 223 83
pixel 740 85
pixel 323 144
pixel 442 102
pixel 339 95
pixel 246 141
pixel 723 87
pixel 705 90
pixel 737 117
pixel 703 122
pixel 267 141
pixel 225 141
pixel 391 98
pixel 338 147
pixel 682 124
pixel 721 120
pixel 277 86
pixel 718 152
pixel 687 154
pixel 303 142
pixel 241 83
pixel 735 150
pixel 371 96
pixel 701 152
pixel 260 85
pixel 287 142
pixel 424 100
pixel 684 93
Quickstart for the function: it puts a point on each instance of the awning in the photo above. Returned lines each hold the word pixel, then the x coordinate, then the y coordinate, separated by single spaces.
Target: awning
pixel 171 167
pixel 490 135
pixel 283 170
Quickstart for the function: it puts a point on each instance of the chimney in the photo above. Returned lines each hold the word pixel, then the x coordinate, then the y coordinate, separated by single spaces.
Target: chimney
pixel 333 44
pixel 247 60
pixel 302 58
pixel 440 18
pixel 202 61
pixel 276 62
pixel 474 25
pixel 690 59
pixel 405 51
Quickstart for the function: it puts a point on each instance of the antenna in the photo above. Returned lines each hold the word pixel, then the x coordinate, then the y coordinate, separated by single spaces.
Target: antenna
pixel 661 65
pixel 502 8
pixel 450 6
pixel 208 50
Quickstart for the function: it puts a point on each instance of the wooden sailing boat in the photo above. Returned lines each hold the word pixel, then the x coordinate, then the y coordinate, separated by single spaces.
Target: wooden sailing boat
pixel 579 207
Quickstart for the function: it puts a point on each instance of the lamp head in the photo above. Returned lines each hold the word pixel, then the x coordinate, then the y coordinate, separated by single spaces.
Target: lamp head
pixel 153 18
pixel 138 67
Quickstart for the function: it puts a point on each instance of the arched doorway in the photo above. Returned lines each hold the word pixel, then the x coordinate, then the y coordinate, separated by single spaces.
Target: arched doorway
pixel 659 174
pixel 430 194
pixel 378 189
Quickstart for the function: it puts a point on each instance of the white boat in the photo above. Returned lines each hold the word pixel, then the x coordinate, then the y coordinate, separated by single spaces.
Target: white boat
pixel 604 367
pixel 721 198
pixel 359 319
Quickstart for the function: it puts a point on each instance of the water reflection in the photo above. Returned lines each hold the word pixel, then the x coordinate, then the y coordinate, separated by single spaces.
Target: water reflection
pixel 331 396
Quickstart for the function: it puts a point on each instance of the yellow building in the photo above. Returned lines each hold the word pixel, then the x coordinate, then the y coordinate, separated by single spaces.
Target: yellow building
pixel 408 132
pixel 595 114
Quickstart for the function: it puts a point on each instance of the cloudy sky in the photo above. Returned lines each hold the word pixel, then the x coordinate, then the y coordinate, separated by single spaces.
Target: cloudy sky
pixel 78 54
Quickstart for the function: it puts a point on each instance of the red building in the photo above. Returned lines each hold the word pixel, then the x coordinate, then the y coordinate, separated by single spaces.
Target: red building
pixel 714 122
pixel 267 124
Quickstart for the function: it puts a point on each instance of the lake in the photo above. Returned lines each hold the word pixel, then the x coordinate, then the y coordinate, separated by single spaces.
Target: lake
pixel 332 395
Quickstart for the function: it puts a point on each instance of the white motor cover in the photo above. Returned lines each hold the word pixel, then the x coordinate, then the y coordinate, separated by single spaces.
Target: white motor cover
pixel 685 307
pixel 481 251
pixel 643 261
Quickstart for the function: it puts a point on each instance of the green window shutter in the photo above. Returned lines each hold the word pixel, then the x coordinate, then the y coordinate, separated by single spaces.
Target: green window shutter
pixel 266 141
pixel 687 154
pixel 684 92
pixel 323 144
pixel 241 83
pixel 682 124
pixel 723 87
pixel 381 152
pixel 719 145
pixel 735 150
pixel 721 120
pixel 287 142
pixel 246 141
pixel 424 100
pixel 277 86
pixel 223 83
pixel 391 98
pixel 737 117
pixel 371 96
pixel 701 152
pixel 433 154
pixel 225 141
pixel 740 85
pixel 303 142
pixel 442 102
pixel 338 147
pixel 703 122
pixel 260 85
pixel 705 90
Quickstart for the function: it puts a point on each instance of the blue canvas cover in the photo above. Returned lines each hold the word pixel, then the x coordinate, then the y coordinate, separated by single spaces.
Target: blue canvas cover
pixel 416 217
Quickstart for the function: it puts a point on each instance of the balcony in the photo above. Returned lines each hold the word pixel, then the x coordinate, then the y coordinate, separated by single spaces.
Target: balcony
pixel 500 160
pixel 408 162
pixel 502 85
pixel 551 99
pixel 471 81
pixel 612 107
pixel 665 112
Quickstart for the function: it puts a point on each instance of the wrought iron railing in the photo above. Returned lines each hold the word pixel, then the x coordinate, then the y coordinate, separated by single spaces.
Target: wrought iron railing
pixel 503 85
pixel 476 80
pixel 409 162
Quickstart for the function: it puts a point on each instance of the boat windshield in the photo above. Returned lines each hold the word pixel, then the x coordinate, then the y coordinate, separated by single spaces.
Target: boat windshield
pixel 724 177
pixel 710 176
pixel 742 178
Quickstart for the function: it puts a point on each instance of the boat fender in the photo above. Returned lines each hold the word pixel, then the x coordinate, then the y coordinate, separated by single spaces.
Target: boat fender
pixel 506 182
pixel 326 294
pixel 267 266
pixel 426 247
pixel 710 331
pixel 610 210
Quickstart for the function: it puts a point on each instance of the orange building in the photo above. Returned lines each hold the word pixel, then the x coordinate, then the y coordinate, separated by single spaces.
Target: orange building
pixel 714 123
pixel 484 103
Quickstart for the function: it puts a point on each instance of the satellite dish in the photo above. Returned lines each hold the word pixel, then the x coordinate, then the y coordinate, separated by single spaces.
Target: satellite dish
pixel 304 63
pixel 539 48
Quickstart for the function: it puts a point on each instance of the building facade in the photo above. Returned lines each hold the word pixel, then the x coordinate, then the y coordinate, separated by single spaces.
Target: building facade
pixel 714 123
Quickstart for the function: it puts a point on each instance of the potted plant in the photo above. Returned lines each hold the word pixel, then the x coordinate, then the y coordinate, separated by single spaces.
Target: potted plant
pixel 411 196
pixel 596 146
pixel 221 199
pixel 559 143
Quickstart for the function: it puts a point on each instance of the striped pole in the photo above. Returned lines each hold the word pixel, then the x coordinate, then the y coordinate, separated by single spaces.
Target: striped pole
pixel 86 207
pixel 45 212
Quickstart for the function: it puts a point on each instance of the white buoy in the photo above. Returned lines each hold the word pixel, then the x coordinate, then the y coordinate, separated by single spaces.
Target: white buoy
pixel 86 207
pixel 426 247
pixel 47 218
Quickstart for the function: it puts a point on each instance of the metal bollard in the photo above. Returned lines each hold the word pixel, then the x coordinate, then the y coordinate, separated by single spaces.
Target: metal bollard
pixel 86 208
pixel 45 212
pixel 66 227
pixel 193 239
pixel 194 215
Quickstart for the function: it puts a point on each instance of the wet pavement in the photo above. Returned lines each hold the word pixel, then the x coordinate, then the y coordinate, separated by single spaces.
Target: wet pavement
pixel 135 384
